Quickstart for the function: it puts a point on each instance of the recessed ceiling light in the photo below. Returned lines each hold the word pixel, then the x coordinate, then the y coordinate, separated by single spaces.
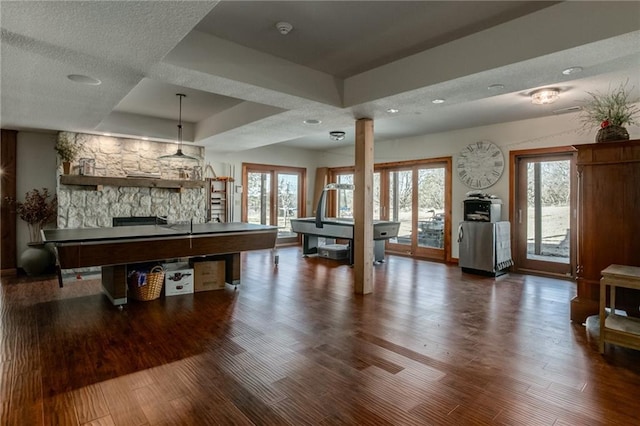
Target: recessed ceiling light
pixel 497 86
pixel 312 121
pixel 84 79
pixel 437 101
pixel 571 70
pixel 393 110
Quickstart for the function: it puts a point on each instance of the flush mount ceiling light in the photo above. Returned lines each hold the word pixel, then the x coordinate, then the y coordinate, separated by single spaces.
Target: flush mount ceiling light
pixel 179 155
pixel 336 135
pixel 437 101
pixel 544 96
pixel 84 79
pixel 393 110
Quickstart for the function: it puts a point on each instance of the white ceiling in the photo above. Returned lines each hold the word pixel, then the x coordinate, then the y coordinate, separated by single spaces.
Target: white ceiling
pixel 249 86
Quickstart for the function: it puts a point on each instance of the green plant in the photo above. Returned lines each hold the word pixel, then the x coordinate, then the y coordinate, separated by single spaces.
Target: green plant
pixel 609 109
pixel 66 147
pixel 37 210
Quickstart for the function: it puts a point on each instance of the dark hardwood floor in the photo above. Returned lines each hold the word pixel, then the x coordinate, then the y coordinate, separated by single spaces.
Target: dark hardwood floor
pixel 293 345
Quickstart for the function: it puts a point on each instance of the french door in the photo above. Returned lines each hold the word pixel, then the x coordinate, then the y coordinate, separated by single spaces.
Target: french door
pixel 273 195
pixel 418 195
pixel 419 198
pixel 545 213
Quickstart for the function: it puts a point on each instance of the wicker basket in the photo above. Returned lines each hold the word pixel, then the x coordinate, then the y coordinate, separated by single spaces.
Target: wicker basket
pixel 612 133
pixel 151 288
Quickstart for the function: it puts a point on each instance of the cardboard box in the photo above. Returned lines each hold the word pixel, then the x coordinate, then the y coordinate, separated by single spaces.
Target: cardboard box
pixel 208 275
pixel 178 279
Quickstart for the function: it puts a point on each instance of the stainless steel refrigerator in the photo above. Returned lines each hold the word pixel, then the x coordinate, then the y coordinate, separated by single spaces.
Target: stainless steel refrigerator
pixel 484 247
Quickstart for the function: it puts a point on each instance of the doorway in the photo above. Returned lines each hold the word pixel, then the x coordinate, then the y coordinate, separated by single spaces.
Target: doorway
pixel 418 199
pixel 415 193
pixel 544 213
pixel 273 196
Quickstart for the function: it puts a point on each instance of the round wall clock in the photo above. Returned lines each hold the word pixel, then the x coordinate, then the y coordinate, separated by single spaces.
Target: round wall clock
pixel 480 164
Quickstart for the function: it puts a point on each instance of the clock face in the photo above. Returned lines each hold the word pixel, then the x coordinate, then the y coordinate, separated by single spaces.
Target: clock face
pixel 480 164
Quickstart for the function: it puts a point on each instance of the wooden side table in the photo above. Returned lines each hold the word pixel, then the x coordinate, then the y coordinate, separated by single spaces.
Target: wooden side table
pixel 618 329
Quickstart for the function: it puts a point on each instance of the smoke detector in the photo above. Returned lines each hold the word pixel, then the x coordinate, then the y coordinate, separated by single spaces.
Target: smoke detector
pixel 336 135
pixel 284 27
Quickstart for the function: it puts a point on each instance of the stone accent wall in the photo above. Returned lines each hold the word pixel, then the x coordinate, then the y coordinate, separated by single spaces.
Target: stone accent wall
pixel 80 207
pixel 83 206
pixel 116 157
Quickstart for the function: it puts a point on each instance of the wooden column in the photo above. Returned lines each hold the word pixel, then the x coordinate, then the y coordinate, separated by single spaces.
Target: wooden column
pixel 322 174
pixel 363 208
pixel 8 257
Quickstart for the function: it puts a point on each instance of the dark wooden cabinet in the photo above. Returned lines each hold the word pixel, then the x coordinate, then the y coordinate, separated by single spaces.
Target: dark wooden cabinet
pixel 608 221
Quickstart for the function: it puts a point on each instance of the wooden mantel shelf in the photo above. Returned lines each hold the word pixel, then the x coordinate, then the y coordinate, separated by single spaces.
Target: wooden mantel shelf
pixel 99 181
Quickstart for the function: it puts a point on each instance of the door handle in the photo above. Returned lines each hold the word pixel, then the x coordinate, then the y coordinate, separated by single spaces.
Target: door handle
pixel 519 215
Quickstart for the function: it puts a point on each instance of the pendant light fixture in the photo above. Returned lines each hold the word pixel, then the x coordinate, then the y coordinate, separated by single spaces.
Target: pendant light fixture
pixel 179 155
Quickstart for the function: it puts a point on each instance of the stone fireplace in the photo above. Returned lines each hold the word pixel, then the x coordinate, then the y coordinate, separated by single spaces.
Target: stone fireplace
pixel 82 206
pixel 93 201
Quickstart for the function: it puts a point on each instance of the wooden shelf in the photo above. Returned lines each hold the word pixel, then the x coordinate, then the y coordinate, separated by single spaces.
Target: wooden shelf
pixel 218 196
pixel 99 181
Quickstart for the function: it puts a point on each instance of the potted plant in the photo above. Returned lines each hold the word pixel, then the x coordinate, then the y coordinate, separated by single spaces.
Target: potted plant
pixel 38 209
pixel 611 112
pixel 67 150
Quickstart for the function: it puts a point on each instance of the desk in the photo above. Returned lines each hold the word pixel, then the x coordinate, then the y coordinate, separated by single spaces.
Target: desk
pixel 617 329
pixel 113 248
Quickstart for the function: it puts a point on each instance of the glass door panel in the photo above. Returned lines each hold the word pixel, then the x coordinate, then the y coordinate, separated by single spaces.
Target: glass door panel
pixel 259 198
pixel 544 214
pixel 377 194
pixel 401 205
pixel 344 197
pixel 288 190
pixel 430 217
pixel 548 211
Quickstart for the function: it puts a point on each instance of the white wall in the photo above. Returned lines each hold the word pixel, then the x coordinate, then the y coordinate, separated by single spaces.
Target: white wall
pixel 36 168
